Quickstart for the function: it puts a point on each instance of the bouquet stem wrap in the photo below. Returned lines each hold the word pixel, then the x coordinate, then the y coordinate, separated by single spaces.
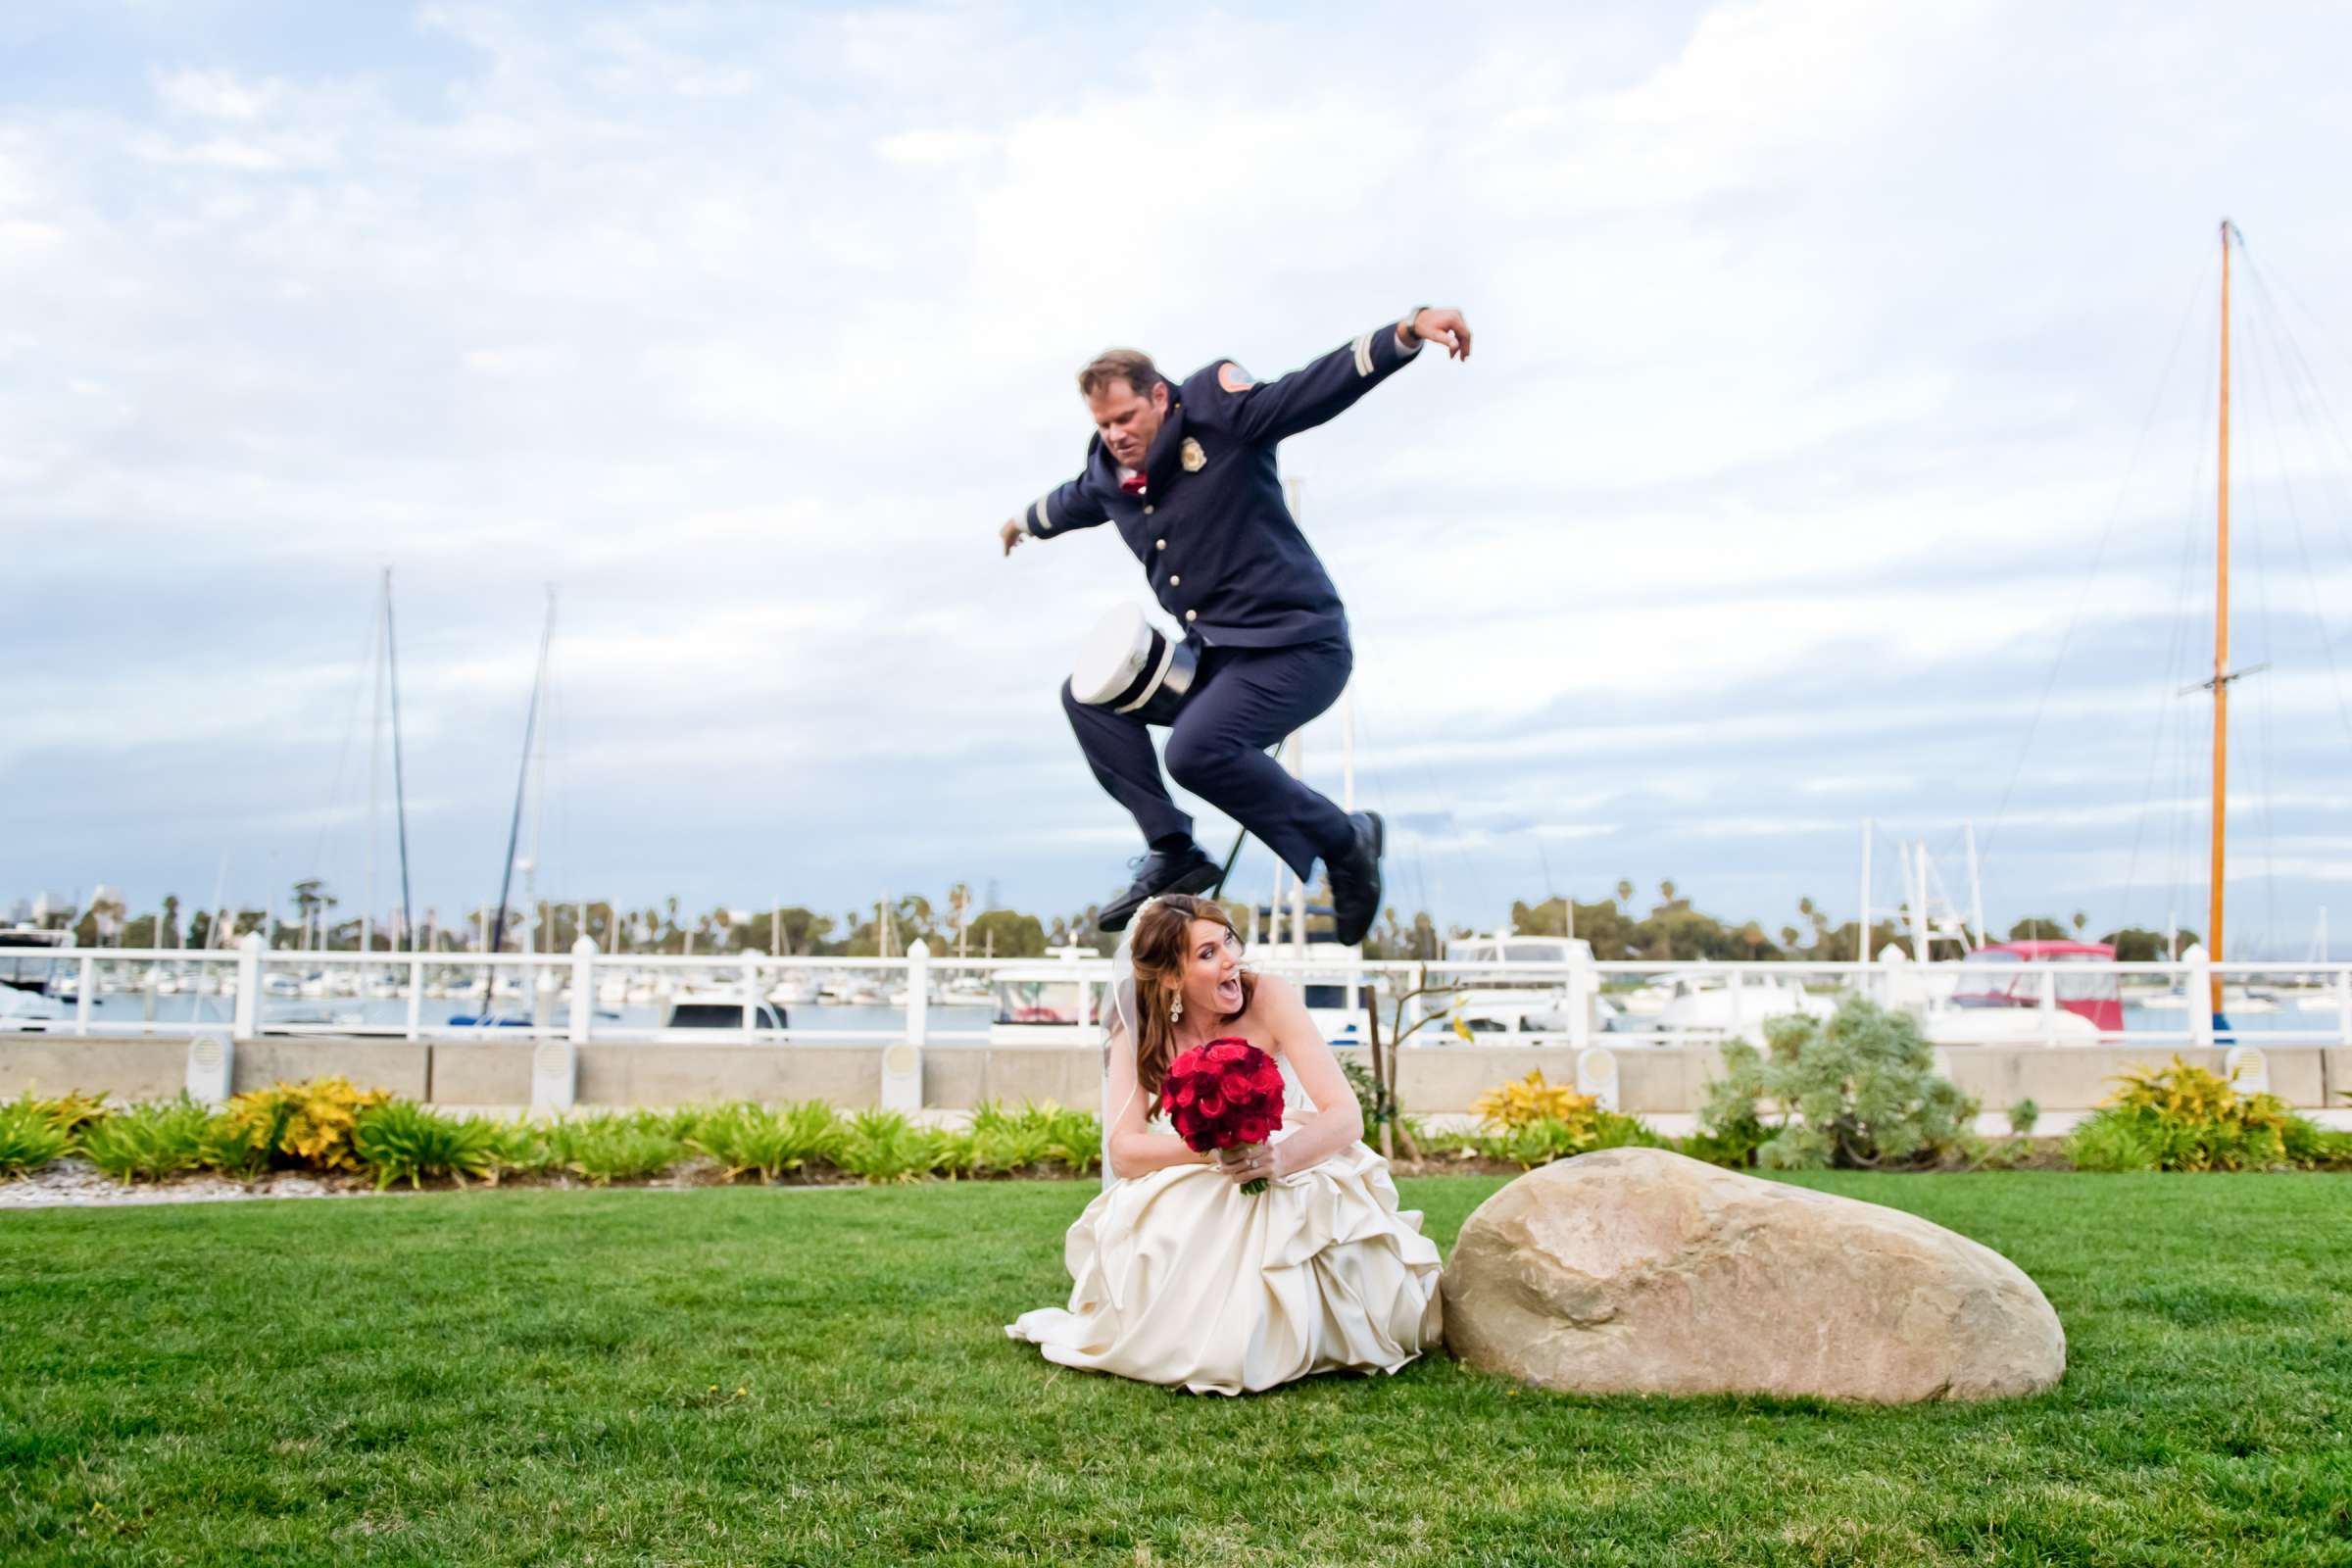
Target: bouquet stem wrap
pixel 1235 1156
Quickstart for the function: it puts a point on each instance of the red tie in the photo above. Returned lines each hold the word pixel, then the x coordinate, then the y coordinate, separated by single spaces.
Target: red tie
pixel 1133 484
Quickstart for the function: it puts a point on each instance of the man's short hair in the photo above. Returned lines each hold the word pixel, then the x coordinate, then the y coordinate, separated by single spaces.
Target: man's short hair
pixel 1131 366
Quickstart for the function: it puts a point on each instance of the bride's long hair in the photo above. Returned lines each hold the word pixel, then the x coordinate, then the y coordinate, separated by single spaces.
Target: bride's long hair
pixel 1162 939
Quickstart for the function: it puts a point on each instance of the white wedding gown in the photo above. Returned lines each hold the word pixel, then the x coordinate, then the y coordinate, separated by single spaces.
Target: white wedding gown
pixel 1181 1277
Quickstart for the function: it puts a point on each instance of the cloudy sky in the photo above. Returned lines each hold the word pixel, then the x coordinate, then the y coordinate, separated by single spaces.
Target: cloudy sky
pixel 1837 444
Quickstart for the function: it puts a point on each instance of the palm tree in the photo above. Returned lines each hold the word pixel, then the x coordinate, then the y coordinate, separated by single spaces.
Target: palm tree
pixel 960 898
pixel 1625 893
pixel 1815 918
pixel 307 894
pixel 911 916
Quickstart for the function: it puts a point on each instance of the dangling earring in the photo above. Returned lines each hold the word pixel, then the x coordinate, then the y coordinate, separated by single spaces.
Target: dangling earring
pixel 1176 1008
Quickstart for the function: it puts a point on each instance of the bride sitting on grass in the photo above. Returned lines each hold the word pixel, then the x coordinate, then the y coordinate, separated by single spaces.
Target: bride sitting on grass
pixel 1182 1278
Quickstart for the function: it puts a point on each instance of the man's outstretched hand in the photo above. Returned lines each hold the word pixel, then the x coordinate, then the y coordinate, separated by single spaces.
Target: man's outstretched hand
pixel 1012 533
pixel 1443 324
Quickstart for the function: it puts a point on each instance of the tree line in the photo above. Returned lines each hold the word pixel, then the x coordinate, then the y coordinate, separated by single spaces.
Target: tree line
pixel 1671 929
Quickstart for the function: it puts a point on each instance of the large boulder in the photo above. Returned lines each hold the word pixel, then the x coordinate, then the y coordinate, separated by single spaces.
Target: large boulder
pixel 1639 1271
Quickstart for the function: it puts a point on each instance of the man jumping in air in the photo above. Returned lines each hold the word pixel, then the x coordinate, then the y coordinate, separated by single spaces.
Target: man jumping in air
pixel 1188 473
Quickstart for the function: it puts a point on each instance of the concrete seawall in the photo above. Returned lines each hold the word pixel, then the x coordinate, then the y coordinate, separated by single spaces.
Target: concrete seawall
pixel 1652 1081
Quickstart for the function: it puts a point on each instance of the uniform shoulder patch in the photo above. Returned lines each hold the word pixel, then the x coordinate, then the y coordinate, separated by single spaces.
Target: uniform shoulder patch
pixel 1233 378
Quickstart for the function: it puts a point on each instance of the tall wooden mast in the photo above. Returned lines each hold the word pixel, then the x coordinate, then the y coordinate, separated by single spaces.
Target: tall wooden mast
pixel 2221 641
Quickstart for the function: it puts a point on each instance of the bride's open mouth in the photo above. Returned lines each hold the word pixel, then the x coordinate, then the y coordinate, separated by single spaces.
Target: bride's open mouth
pixel 1229 995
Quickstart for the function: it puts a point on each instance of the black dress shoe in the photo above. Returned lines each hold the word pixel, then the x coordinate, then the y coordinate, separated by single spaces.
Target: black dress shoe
pixel 1356 880
pixel 1186 870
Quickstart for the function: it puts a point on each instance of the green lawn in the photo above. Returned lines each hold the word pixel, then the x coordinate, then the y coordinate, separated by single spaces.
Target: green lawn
pixel 741 1376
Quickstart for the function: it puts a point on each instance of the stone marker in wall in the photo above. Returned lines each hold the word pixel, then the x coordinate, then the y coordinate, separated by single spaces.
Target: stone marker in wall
pixel 555 1075
pixel 2247 1069
pixel 211 1068
pixel 1596 1075
pixel 1640 1271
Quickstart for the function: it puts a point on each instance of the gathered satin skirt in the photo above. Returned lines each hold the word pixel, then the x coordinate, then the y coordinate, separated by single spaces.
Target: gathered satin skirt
pixel 1181 1277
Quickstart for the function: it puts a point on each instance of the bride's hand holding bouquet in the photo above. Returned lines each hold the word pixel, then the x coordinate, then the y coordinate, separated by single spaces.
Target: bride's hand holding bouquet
pixel 1225 1100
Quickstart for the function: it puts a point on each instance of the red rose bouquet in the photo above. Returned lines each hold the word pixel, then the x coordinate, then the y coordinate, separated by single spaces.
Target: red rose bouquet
pixel 1222 1096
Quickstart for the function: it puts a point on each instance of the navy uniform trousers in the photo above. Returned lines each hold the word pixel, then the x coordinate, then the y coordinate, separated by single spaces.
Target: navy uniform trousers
pixel 1243 701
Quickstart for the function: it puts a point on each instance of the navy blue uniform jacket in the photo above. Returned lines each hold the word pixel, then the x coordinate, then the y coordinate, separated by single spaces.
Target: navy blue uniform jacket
pixel 1217 540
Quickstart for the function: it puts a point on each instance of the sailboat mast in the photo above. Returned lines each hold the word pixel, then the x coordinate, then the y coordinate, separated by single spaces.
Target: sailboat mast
pixel 531 877
pixel 494 937
pixel 2221 641
pixel 400 788
pixel 375 767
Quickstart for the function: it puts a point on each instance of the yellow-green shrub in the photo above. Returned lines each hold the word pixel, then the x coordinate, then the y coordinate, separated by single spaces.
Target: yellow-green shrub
pixel 517 1145
pixel 883 1145
pixel 610 1147
pixel 1531 1101
pixel 1038 1134
pixel 2186 1117
pixel 69 1113
pixel 29 1138
pixel 305 1124
pixel 746 1138
pixel 1540 1141
pixel 403 1139
pixel 151 1142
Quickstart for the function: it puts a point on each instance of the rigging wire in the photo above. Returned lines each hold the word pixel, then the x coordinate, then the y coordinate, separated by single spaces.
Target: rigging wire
pixel 2286 369
pixel 362 682
pixel 2318 396
pixel 2310 377
pixel 2322 466
pixel 2263 771
pixel 2340 472
pixel 558 737
pixel 2175 651
pixel 2167 700
pixel 2267 698
pixel 1421 887
pixel 1478 887
pixel 2178 660
pixel 2098 555
pixel 2192 739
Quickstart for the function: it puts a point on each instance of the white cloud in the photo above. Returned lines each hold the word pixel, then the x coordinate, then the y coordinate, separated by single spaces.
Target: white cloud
pixel 216 95
pixel 933 146
pixel 747 332
pixel 521 360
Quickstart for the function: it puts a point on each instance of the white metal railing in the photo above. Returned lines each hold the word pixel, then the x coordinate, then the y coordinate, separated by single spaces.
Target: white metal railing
pixel 254 990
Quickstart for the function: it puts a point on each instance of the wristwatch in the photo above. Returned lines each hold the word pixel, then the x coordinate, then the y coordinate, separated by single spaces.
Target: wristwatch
pixel 1405 328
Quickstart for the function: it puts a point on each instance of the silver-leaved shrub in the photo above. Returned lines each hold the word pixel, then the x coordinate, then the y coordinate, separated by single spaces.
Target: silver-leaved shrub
pixel 1857 1090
